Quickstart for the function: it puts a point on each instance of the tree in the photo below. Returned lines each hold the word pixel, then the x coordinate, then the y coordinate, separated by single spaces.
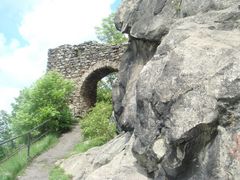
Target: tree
pixel 4 131
pixel 104 88
pixel 108 33
pixel 104 93
pixel 4 126
pixel 46 99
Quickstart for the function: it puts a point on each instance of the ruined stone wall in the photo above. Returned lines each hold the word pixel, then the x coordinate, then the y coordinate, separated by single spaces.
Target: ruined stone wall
pixel 85 64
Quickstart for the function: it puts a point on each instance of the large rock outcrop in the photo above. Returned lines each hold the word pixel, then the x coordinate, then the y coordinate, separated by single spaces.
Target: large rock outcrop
pixel 113 160
pixel 179 88
pixel 178 92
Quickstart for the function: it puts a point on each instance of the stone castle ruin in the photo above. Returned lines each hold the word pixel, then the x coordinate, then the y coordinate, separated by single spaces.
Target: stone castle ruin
pixel 85 64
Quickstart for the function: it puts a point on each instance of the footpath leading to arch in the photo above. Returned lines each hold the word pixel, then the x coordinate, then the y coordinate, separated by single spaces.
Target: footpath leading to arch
pixel 40 167
pixel 85 64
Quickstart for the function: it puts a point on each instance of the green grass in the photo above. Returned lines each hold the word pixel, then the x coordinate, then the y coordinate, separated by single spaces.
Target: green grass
pixel 13 166
pixel 83 146
pixel 58 173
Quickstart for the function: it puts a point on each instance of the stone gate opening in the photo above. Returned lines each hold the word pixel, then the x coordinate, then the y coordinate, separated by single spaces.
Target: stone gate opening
pixel 85 64
pixel 89 86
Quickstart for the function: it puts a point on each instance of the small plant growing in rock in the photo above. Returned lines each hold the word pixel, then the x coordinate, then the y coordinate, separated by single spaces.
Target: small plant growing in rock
pixel 177 4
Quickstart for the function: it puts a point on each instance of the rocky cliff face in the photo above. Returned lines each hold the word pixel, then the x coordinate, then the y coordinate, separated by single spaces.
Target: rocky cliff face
pixel 178 94
pixel 179 86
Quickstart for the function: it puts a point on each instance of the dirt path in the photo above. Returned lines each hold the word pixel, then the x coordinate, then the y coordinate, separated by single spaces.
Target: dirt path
pixel 40 167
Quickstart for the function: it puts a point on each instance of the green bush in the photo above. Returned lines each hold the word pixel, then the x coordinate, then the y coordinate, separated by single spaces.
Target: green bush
pixel 97 124
pixel 104 95
pixel 46 99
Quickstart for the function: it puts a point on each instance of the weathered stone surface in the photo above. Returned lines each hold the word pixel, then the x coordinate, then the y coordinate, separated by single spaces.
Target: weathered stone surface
pixel 179 87
pixel 124 94
pixel 150 20
pixel 85 64
pixel 113 160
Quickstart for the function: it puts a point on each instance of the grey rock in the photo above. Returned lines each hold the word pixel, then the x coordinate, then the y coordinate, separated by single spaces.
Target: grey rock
pixel 179 90
pixel 124 94
pixel 151 20
pixel 113 160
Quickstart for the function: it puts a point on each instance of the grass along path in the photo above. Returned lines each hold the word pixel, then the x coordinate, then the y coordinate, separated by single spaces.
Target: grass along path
pixel 14 165
pixel 41 166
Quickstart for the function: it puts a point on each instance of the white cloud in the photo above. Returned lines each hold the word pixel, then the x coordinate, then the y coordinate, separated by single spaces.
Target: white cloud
pixel 24 65
pixel 64 21
pixel 2 42
pixel 50 23
pixel 7 96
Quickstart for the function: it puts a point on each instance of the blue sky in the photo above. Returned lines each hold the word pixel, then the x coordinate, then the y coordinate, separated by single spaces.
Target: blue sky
pixel 12 12
pixel 28 28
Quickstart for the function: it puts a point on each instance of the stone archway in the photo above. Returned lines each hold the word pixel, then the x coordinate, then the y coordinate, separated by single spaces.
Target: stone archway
pixel 85 64
pixel 88 85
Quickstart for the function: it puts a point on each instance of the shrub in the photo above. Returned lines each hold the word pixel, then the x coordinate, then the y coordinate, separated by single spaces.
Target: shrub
pixel 46 99
pixel 97 124
pixel 104 95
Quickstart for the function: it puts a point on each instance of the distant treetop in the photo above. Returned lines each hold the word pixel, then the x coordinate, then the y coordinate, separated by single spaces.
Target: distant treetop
pixel 107 32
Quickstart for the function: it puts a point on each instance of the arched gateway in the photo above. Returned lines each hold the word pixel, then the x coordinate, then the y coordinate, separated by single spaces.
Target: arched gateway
pixel 85 64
